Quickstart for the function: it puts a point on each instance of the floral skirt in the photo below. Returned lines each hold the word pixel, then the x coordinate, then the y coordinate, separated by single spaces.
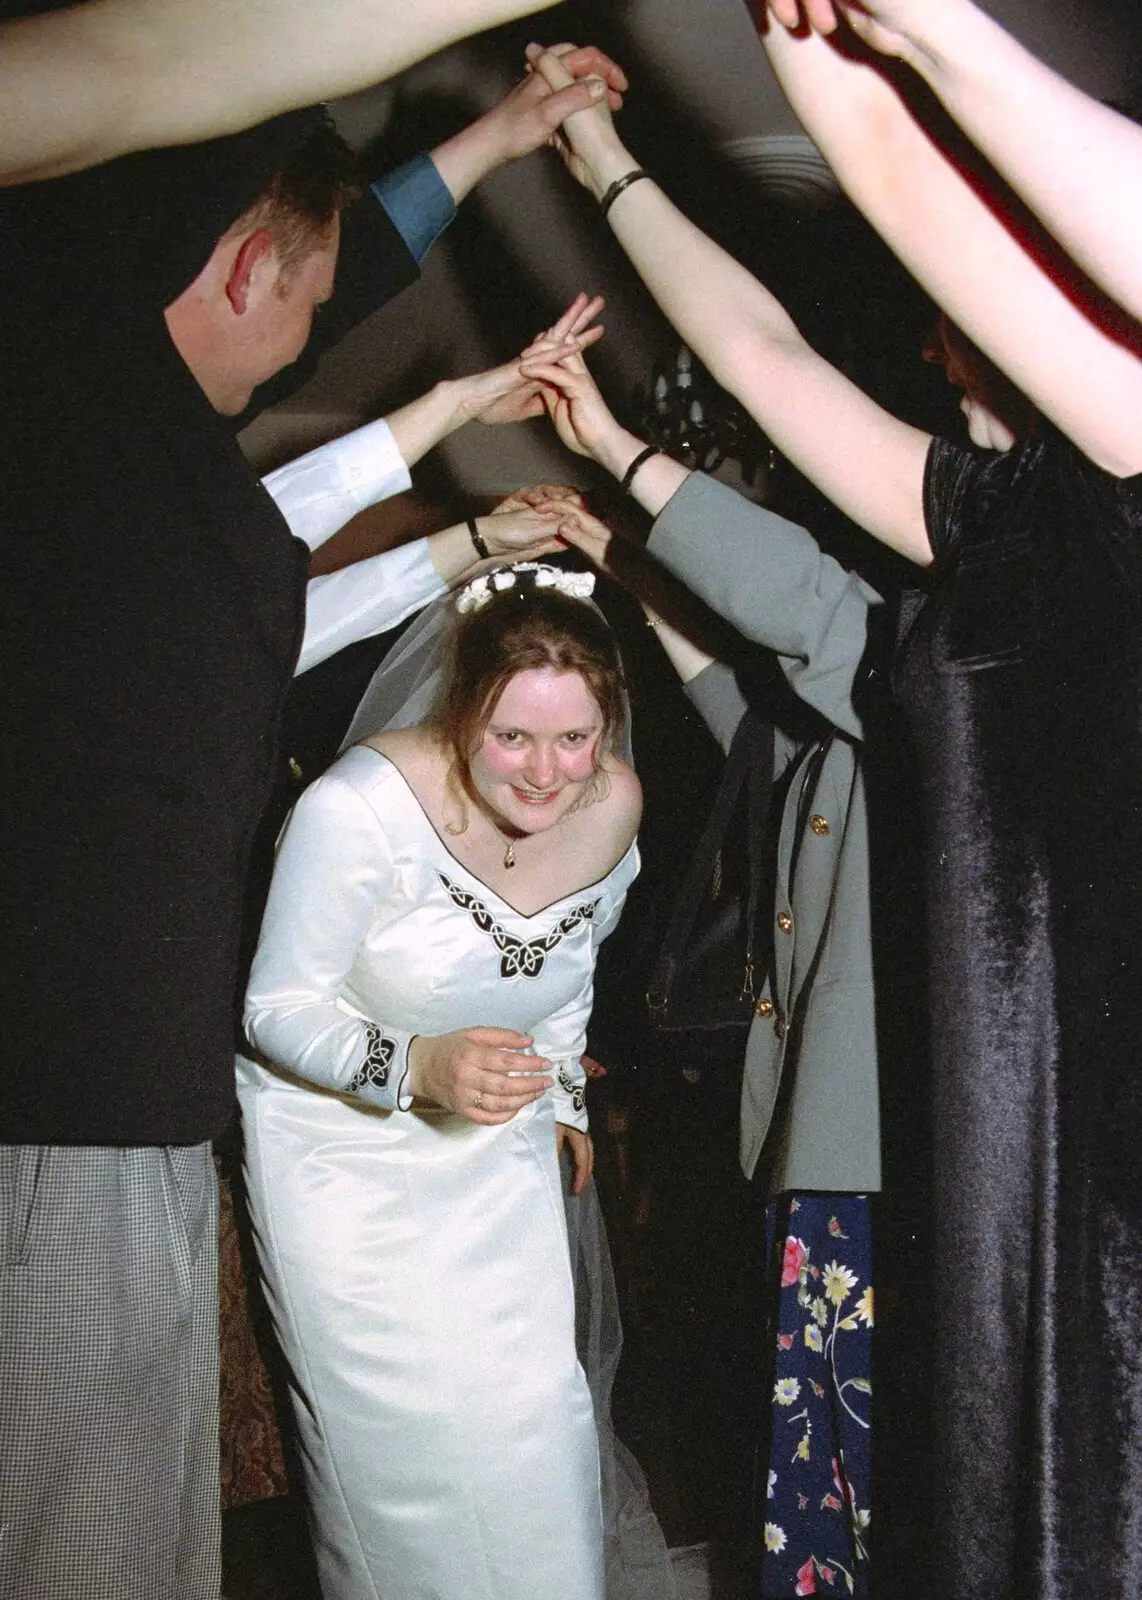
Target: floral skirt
pixel 815 1531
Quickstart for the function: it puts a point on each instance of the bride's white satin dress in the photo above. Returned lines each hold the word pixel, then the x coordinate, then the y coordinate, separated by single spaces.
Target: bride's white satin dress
pixel 416 1262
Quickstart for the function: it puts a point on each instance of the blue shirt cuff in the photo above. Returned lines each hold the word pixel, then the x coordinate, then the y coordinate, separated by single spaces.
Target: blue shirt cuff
pixel 419 203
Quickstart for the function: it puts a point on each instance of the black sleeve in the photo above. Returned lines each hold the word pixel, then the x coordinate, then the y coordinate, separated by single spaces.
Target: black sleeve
pixel 954 477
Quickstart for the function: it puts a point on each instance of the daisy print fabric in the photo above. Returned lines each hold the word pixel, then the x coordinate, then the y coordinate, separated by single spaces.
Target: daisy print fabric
pixel 815 1519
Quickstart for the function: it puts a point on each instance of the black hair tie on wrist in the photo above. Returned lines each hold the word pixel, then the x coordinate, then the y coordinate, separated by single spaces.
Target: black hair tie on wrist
pixel 478 540
pixel 643 455
pixel 619 185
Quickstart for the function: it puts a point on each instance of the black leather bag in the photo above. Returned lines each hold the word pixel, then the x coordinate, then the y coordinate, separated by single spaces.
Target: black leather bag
pixel 715 953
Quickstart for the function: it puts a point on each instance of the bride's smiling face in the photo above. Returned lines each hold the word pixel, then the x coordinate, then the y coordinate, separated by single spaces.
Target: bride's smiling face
pixel 539 749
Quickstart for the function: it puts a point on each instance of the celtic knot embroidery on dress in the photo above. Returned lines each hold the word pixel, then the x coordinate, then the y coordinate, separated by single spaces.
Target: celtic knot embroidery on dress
pixel 517 959
pixel 379 1053
pixel 577 1091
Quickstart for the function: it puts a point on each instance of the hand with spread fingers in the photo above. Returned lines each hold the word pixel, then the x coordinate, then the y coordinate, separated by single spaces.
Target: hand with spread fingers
pixel 479 1073
pixel 578 328
pixel 505 394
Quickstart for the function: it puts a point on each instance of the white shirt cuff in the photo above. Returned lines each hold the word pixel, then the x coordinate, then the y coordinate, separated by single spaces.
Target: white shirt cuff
pixel 322 491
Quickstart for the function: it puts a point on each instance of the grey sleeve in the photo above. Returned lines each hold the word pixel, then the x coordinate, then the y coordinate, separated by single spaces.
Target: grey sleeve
pixel 771 580
pixel 715 695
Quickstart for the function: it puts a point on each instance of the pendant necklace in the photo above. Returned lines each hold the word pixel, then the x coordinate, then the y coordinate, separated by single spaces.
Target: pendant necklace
pixel 509 845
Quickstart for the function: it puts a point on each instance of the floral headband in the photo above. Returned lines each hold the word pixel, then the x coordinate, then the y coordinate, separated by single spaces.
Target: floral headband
pixel 475 595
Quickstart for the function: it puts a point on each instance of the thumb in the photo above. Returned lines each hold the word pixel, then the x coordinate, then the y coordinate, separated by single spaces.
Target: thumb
pixel 563 103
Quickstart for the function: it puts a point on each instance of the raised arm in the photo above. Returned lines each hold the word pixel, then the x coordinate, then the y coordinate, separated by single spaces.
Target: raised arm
pixel 319 492
pixel 1069 158
pixel 82 85
pixel 503 394
pixel 866 461
pixel 1073 353
pixel 371 596
pixel 766 576
pixel 525 118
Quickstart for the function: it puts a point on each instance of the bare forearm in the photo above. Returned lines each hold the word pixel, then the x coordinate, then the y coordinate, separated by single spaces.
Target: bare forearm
pixel 419 426
pixel 658 478
pixel 80 86
pixel 687 659
pixel 466 159
pixel 708 297
pixel 814 415
pixel 1071 159
pixel 453 554
pixel 1016 303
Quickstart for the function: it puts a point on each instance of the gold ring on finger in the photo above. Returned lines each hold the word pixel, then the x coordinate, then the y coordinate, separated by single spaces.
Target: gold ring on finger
pixel 477 1100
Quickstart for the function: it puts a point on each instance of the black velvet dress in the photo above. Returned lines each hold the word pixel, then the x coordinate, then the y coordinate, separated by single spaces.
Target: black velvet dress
pixel 1020 673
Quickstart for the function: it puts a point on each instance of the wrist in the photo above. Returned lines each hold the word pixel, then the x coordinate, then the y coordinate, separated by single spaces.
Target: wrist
pixel 415 1062
pixel 468 157
pixel 607 167
pixel 452 401
pixel 452 554
pixel 936 47
pixel 618 451
pixel 483 550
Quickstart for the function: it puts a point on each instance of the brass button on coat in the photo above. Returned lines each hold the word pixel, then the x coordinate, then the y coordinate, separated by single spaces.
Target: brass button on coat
pixel 764 1008
pixel 819 825
pixel 779 1027
pixel 785 922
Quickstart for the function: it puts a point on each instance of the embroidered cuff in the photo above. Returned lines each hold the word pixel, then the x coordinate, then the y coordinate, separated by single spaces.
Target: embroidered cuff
pixel 382 1076
pixel 570 1091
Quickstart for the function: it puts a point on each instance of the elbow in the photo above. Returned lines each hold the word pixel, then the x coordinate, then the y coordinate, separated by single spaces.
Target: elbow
pixel 756 364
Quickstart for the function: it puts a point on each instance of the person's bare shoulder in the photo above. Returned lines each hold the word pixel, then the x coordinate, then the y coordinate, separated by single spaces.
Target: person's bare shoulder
pixel 624 802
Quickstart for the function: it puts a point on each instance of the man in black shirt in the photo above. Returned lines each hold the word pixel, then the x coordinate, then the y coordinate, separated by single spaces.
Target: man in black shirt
pixel 150 621
pixel 150 624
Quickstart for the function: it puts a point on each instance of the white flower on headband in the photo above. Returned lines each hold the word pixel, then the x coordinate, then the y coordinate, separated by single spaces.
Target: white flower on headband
pixel 475 595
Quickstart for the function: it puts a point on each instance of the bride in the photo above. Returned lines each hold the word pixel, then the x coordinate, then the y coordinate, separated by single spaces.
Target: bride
pixel 417 1011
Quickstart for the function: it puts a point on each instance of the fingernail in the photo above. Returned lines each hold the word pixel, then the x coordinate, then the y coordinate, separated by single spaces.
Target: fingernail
pixel 597 88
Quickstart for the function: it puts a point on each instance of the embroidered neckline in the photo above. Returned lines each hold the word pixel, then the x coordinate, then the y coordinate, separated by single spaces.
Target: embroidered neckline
pixel 519 958
pixel 527 916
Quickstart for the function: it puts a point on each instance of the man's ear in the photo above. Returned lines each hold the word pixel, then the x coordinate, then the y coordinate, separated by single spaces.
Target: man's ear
pixel 255 249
